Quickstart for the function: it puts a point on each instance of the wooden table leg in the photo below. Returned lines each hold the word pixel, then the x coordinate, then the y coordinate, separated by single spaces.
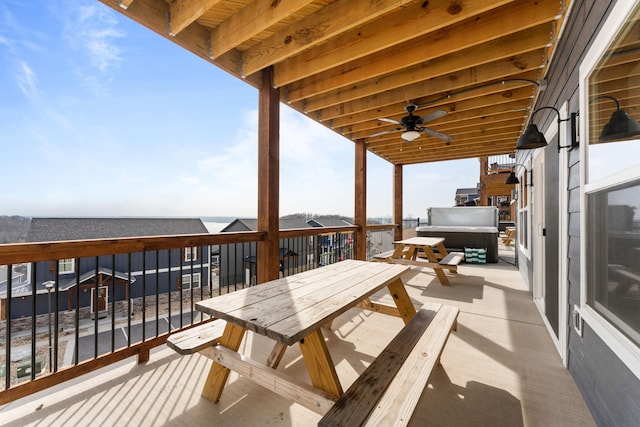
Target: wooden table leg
pixel 434 259
pixel 276 354
pixel 397 251
pixel 402 300
pixel 442 250
pixel 218 374
pixel 319 364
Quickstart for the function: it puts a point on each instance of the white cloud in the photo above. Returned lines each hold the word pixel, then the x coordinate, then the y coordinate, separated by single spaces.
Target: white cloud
pixel 92 31
pixel 27 81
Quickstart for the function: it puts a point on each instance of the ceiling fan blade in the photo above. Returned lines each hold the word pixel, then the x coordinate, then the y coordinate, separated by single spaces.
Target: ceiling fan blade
pixel 432 116
pixel 384 132
pixel 435 133
pixel 384 119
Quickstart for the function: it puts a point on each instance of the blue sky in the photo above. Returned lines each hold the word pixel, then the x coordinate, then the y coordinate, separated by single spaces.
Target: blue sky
pixel 101 117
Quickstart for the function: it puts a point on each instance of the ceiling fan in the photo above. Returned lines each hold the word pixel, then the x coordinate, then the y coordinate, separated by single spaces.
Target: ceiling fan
pixel 412 125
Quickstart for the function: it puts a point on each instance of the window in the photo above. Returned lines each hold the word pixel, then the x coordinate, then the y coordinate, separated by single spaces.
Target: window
pixel 523 210
pixel 191 254
pixel 610 220
pixel 613 254
pixel 66 265
pixel 188 279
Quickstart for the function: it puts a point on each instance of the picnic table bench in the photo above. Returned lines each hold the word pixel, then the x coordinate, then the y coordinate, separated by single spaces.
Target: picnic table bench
pixel 387 392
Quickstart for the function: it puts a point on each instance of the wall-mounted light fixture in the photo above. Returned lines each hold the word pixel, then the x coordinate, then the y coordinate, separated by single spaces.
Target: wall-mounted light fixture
pixel 513 179
pixel 532 138
pixel 620 125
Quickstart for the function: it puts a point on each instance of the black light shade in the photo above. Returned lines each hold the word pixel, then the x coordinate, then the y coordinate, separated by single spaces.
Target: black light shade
pixel 512 179
pixel 620 126
pixel 531 138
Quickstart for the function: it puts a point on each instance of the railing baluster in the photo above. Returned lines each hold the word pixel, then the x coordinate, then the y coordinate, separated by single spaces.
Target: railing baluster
pixel 7 370
pixel 113 303
pixel 56 316
pixel 77 314
pixel 191 307
pixel 33 323
pixel 201 279
pixel 157 293
pixel 144 296
pixel 169 293
pixel 180 293
pixel 96 309
pixel 129 302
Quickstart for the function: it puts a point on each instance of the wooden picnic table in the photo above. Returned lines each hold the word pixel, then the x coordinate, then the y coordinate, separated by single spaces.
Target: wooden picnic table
pixel 293 310
pixel 406 252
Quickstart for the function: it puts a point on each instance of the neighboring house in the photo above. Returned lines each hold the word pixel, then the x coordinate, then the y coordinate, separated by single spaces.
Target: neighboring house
pixel 466 196
pixel 494 191
pixel 238 261
pixel 114 278
pixel 579 208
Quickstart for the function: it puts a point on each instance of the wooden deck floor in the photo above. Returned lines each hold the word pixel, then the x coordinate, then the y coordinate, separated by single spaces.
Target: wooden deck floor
pixel 500 368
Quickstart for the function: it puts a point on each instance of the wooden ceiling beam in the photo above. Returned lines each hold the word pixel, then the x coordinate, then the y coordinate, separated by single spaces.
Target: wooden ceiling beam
pixel 414 20
pixel 250 21
pixel 427 155
pixel 439 99
pixel 480 106
pixel 487 53
pixel 153 15
pixel 508 20
pixel 486 73
pixel 328 22
pixel 185 12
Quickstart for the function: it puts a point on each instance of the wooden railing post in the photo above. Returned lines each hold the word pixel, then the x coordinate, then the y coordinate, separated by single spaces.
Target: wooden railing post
pixel 268 177
pixel 360 214
pixel 397 201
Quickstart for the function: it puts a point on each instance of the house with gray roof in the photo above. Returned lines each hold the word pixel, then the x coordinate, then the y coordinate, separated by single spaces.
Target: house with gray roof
pixel 238 261
pixel 93 283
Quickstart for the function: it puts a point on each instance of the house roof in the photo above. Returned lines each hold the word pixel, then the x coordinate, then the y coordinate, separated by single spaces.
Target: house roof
pixel 66 284
pixel 473 190
pixel 59 229
pixel 347 64
pixel 251 224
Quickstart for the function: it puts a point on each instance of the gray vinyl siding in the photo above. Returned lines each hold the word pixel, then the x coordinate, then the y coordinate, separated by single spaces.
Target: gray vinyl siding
pixel 610 389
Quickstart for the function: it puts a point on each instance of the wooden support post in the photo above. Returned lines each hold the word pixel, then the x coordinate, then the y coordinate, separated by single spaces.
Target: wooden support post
pixel 143 355
pixel 397 201
pixel 360 214
pixel 268 178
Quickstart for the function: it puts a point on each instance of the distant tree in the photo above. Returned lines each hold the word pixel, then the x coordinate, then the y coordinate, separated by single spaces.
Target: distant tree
pixel 14 229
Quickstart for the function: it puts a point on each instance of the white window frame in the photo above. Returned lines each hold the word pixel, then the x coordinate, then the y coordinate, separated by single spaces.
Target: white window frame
pixel 623 347
pixel 67 265
pixel 185 282
pixel 191 254
pixel 524 175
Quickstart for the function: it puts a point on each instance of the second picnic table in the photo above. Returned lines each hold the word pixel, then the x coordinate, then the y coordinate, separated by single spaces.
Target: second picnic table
pixel 406 252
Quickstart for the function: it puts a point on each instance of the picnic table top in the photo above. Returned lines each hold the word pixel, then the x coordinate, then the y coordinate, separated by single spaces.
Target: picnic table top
pixel 420 241
pixel 290 308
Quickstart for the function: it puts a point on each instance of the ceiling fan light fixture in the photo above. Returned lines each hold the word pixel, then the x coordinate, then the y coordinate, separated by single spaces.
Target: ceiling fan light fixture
pixel 410 135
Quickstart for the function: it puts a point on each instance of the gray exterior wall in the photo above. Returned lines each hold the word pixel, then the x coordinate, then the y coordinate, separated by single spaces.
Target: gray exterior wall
pixel 609 388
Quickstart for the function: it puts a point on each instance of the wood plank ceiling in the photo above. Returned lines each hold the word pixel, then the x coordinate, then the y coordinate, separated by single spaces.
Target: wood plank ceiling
pixel 348 63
